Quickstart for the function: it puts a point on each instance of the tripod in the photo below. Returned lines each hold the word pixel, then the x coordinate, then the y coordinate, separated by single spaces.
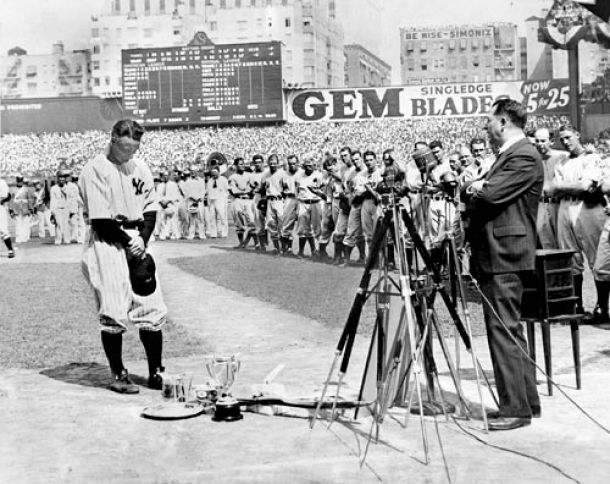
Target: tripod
pixel 399 354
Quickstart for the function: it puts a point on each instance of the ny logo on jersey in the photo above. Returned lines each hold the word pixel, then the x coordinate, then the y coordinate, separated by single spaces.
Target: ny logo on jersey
pixel 138 185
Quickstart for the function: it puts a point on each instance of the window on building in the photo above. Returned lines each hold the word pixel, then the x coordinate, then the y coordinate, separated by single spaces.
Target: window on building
pixel 487 42
pixel 463 44
pixel 213 26
pixel 423 46
pixel 96 81
pixel 148 33
pixel 410 64
pixel 237 3
pixel 487 61
pixel 176 32
pixel 452 63
pixel 95 65
pixel 475 44
pixel 309 38
pixel 146 7
pixel 306 21
pixel 410 46
pixel 287 22
pixel 253 3
pixel 269 3
pixel 162 7
pixel 284 2
pixel 223 3
pixel 452 44
pixel 441 64
pixel 132 5
pixel 107 81
pixel 192 8
pixel 424 64
pixel 95 32
pixel 242 25
pixel 96 49
pixel 309 71
pixel 476 62
pixel 116 6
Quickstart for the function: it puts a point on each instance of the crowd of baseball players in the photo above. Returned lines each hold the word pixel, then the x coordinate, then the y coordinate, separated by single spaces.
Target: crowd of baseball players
pixel 302 203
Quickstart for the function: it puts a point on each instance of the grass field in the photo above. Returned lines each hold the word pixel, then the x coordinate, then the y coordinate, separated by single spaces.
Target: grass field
pixel 318 291
pixel 48 319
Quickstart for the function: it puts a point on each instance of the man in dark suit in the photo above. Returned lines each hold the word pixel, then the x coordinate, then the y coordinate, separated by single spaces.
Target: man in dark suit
pixel 502 208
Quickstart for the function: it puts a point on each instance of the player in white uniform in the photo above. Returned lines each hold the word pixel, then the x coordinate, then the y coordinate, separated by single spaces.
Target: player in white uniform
pixel 23 207
pixel 217 189
pixel 243 211
pixel 5 198
pixel 546 223
pixel 255 183
pixel 121 206
pixel 308 191
pixel 273 185
pixel 581 216
pixel 60 205
pixel 194 194
pixel 77 221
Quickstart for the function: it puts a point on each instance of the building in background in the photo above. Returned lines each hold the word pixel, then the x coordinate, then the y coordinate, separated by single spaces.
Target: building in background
pixel 362 68
pixel 58 74
pixel 312 52
pixel 464 53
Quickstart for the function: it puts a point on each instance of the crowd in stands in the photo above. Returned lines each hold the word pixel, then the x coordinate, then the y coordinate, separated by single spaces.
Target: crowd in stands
pixel 37 154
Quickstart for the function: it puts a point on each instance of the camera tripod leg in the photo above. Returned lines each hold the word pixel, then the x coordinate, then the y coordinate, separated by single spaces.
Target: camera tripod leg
pixel 324 389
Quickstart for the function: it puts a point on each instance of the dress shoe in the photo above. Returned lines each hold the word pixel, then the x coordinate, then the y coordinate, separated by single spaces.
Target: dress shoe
pixel 536 413
pixel 508 423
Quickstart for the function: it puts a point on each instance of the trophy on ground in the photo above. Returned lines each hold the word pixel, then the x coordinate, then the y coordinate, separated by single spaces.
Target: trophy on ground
pixel 223 370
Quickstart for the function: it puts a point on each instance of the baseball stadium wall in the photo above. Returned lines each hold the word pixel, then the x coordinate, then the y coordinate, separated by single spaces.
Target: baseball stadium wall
pixel 60 114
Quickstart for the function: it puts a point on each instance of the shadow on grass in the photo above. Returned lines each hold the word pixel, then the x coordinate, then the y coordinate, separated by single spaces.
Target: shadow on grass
pixel 89 374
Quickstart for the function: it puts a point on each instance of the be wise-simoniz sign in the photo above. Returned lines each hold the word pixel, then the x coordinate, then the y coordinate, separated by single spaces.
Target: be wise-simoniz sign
pixel 358 104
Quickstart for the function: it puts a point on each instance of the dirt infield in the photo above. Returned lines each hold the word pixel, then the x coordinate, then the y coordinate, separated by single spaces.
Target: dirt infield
pixel 61 424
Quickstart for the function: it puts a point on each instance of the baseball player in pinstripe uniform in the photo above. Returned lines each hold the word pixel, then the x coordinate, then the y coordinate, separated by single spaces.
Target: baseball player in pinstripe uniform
pixel 5 198
pixel 121 205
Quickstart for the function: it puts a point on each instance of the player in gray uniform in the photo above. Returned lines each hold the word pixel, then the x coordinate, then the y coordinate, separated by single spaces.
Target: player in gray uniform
pixel 291 204
pixel 255 182
pixel 121 205
pixel 272 185
pixel 546 224
pixel 243 214
pixel 581 216
pixel 341 201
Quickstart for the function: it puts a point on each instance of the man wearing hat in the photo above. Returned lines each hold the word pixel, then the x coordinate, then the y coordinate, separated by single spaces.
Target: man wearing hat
pixel 5 198
pixel 42 194
pixel 60 205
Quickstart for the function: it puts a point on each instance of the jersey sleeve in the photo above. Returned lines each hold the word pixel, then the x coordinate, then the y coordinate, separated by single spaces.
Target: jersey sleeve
pixel 151 197
pixel 95 192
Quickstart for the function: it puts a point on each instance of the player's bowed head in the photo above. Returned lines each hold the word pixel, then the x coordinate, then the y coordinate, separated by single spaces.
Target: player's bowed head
pixel 124 141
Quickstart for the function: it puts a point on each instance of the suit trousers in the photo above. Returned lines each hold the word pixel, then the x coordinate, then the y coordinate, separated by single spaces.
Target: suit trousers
pixel 514 374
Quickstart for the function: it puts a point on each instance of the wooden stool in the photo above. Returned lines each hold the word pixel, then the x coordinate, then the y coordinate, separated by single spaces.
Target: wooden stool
pixel 548 298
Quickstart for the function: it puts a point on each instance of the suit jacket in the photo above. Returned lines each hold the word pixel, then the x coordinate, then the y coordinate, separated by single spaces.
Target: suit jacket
pixel 502 229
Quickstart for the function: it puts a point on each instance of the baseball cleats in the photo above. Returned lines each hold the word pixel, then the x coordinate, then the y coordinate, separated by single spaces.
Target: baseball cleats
pixel 11 254
pixel 155 382
pixel 123 384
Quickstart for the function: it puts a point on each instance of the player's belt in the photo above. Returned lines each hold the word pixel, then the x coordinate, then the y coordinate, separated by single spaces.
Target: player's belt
pixel 132 224
pixel 309 202
pixel 243 197
pixel 274 197
pixel 288 195
pixel 549 199
pixel 572 198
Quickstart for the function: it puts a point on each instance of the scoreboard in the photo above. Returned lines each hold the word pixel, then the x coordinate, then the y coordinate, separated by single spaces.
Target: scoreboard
pixel 211 84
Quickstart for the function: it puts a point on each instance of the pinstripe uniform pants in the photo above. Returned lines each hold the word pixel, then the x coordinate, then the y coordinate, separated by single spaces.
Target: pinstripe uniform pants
pixel 105 268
